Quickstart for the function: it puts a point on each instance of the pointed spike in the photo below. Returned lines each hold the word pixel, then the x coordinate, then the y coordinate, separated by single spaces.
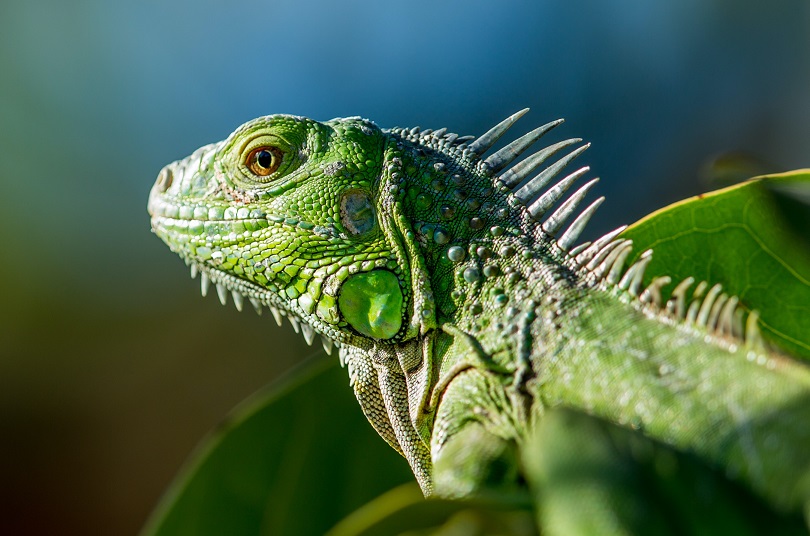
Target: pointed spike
pixel 635 284
pixel 506 155
pixel 439 133
pixel 222 292
pixel 678 299
pixel 737 325
pixel 603 254
pixel 624 283
pixel 257 305
pixel 567 209
pixel 606 258
pixel 652 294
pixel 513 176
pixel 579 249
pixel 534 187
pixel 691 312
pixel 753 337
pixel 276 315
pixel 714 314
pixel 327 344
pixel 488 139
pixel 706 306
pixel 602 268
pixel 632 279
pixel 588 253
pixel 616 269
pixel 542 204
pixel 571 234
pixel 308 332
pixel 296 326
pixel 238 300
pixel 204 283
pixel 194 270
pixel 694 307
pixel 726 323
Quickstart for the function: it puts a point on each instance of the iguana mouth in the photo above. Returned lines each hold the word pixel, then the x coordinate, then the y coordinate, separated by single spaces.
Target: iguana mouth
pixel 238 288
pixel 183 226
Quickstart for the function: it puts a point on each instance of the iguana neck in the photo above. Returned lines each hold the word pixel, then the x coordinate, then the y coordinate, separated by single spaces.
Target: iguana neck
pixel 481 254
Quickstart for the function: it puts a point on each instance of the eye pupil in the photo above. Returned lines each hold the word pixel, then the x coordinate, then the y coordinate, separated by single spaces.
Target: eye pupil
pixel 264 159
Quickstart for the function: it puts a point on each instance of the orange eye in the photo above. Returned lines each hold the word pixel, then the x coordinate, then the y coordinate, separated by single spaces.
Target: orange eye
pixel 264 160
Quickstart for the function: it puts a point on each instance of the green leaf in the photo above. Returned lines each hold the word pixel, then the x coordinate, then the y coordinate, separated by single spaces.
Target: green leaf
pixel 404 511
pixel 592 477
pixel 753 238
pixel 294 459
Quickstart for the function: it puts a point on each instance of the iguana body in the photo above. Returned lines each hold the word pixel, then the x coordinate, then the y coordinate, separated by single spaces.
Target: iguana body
pixel 461 310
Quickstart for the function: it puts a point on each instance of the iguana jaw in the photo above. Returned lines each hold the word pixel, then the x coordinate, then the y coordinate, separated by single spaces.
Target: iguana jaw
pixel 201 227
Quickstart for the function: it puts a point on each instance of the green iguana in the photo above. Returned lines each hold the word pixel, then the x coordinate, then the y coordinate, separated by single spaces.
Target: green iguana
pixel 452 286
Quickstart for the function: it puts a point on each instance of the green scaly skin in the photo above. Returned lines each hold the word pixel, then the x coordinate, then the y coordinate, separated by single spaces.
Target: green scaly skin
pixel 462 319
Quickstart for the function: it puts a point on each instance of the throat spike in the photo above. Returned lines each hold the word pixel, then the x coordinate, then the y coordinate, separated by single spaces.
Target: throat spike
pixel 296 326
pixel 205 281
pixel 327 345
pixel 308 332
pixel 277 316
pixel 222 293
pixel 505 156
pixel 488 139
pixel 257 305
pixel 238 300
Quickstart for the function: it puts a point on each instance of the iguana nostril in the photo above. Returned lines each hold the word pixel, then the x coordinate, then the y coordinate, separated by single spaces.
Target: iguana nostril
pixel 164 180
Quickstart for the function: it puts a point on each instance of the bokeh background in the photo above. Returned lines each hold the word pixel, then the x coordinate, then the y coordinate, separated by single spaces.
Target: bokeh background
pixel 112 366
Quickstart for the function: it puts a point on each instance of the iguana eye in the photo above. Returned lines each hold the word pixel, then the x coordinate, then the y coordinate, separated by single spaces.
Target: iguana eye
pixel 264 160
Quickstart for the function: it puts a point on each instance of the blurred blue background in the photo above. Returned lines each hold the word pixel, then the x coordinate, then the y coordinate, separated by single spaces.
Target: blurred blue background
pixel 112 366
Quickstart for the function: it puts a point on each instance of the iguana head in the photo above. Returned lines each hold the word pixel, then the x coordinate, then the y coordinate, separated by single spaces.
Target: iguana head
pixel 344 228
pixel 290 213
